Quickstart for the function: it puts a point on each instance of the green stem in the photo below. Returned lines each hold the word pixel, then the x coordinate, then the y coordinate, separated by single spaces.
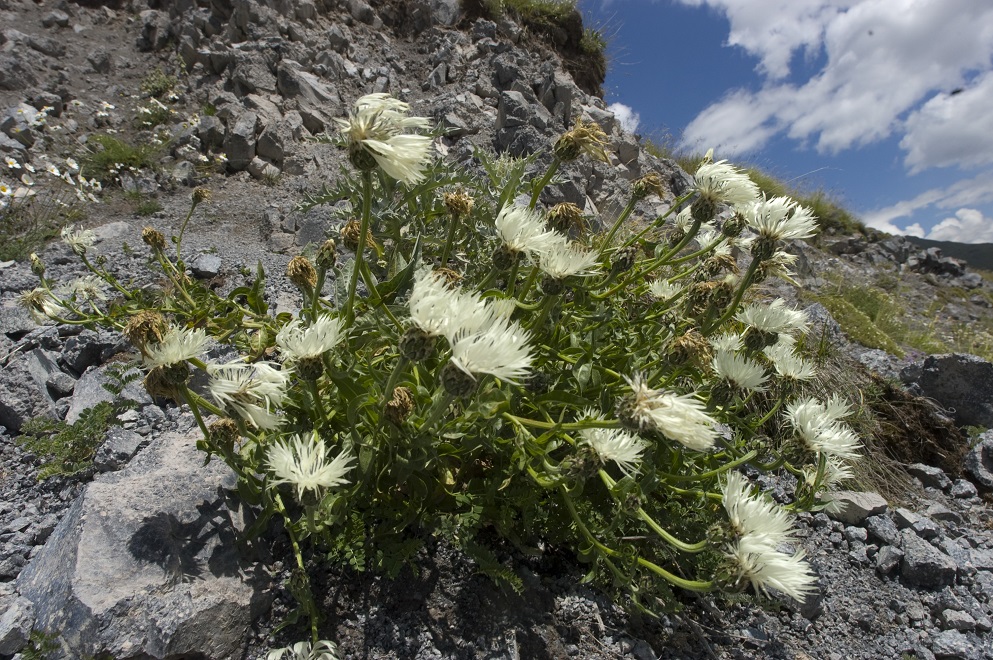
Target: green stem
pixel 710 474
pixel 658 221
pixel 746 281
pixel 605 244
pixel 437 410
pixel 549 173
pixel 453 226
pixel 692 548
pixel 360 249
pixel 322 417
pixel 182 230
pixel 288 526
pixel 568 426
pixel 532 278
pixel 191 402
pixel 398 370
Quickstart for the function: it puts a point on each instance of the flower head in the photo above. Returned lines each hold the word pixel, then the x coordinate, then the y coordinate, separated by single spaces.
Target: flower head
pixel 663 289
pixel 298 342
pixel 563 259
pixel 775 317
pixel 87 287
pixel 500 349
pixel 302 462
pixel 375 130
pixel 679 417
pixel 820 428
pixel 787 363
pixel 740 371
pixel 322 650
pixel 622 447
pixel 586 137
pixel 12 163
pixel 523 230
pixel 780 218
pixel 78 240
pixel 250 390
pixel 41 305
pixel 722 183
pixel 178 345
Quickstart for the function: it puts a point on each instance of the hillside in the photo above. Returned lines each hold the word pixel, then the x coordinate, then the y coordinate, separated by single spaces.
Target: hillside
pixel 504 427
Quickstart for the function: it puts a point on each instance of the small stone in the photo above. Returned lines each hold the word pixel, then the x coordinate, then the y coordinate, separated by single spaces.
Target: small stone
pixel 856 534
pixel 883 529
pixel 206 266
pixel 930 476
pixel 963 489
pixel 887 559
pixel 955 620
pixel 924 565
pixel 15 625
pixel 856 506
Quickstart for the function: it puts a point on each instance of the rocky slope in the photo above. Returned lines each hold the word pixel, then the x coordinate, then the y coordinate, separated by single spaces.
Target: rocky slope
pixel 134 556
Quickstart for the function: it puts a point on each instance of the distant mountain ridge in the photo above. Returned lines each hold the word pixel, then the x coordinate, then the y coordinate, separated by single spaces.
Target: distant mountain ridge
pixel 977 255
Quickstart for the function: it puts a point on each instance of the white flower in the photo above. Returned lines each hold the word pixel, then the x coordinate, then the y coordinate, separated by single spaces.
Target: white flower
pixel 729 341
pixel 819 426
pixel 432 302
pixel 377 125
pixel 11 163
pixel 26 179
pixel 836 471
pixel 564 259
pixel 780 218
pixel 723 183
pixel 739 370
pixel 79 240
pixel 299 342
pixel 29 167
pixel 679 417
pixel 500 349
pixel 323 650
pixel 105 106
pixel 53 170
pixel 302 462
pixel 89 287
pixel 622 447
pixel 250 390
pixel 774 317
pixel 41 305
pixel 787 363
pixel 72 164
pixel 4 190
pixel 523 230
pixel 178 345
pixel 663 289
pixel 759 527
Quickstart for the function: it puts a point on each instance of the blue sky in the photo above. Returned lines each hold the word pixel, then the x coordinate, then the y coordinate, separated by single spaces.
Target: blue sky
pixel 886 104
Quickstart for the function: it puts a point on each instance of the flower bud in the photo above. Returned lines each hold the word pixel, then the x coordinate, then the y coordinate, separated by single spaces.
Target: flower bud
pixel 585 137
pixel 456 381
pixel 623 260
pixel 327 255
pixel 733 226
pixel 224 433
pixel 650 184
pixel 458 203
pixel 416 345
pixel 763 248
pixel 153 238
pixel 399 408
pixel 37 265
pixel 167 381
pixel 301 272
pixel 504 258
pixel 691 347
pixel 360 158
pixel 350 235
pixel 200 195
pixel 451 277
pixel 538 382
pixel 144 328
pixel 566 217
pixel 310 368
pixel 703 209
pixel 552 286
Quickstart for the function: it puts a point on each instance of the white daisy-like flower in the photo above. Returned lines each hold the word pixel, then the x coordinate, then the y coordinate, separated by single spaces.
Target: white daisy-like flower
pixel 622 447
pixel 663 289
pixel 302 462
pixel 710 236
pixel 787 363
pixel 432 302
pixel 820 428
pixel 774 317
pixel 788 574
pixel 53 170
pixel 564 259
pixel 41 305
pixel 78 240
pixel 250 390
pixel 679 417
pixel 26 179
pixel 88 287
pixel 72 164
pixel 299 342
pixel 29 167
pixel 5 190
pixel 836 471
pixel 740 371
pixel 500 349
pixel 754 519
pixel 106 106
pixel 523 230
pixel 723 183
pixel 322 650
pixel 729 341
pixel 377 124
pixel 178 345
pixel 11 163
pixel 780 218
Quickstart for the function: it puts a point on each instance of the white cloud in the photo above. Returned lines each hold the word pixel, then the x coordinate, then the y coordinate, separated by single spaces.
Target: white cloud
pixel 882 59
pixel 964 193
pixel 966 226
pixel 628 118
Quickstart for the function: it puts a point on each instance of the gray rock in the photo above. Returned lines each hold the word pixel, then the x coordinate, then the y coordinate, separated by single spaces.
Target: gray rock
pixel 144 563
pixel 856 534
pixel 259 169
pixel 119 447
pixel 443 12
pixel 952 645
pixel 955 620
pixel 963 489
pixel 921 525
pixel 855 506
pixel 100 60
pixel 55 17
pixel 90 391
pixel 883 530
pixel 943 513
pixel 962 383
pixel 15 625
pixel 239 143
pixel 978 462
pixel 924 565
pixel 156 30
pixel 251 74
pixel 361 11
pixel 89 348
pixel 206 266
pixel 339 38
pixel 60 385
pixel 14 124
pixel 887 559
pixel 15 75
pixel 930 476
pixel 21 397
pixel 293 82
pixel 15 321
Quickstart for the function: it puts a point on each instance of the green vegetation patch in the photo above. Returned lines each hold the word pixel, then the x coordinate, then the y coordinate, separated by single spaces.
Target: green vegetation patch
pixel 110 155
pixel 67 449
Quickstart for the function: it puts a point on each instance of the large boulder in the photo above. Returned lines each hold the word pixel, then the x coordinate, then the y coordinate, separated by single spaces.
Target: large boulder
pixel 21 397
pixel 979 462
pixel 145 564
pixel 961 382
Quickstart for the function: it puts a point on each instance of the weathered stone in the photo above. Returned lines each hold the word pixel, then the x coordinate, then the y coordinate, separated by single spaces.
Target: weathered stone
pixel 16 124
pixel 60 385
pixel 15 75
pixel 930 476
pixel 887 559
pixel 361 11
pixel 293 81
pixel 156 30
pixel 854 506
pixel 15 321
pixel 55 17
pixel 21 397
pixel 882 529
pixel 90 391
pixel 239 143
pixel 250 73
pixel 206 266
pixel 955 620
pixel 952 645
pixel 144 563
pixel 89 348
pixel 962 383
pixel 924 565
pixel 15 625
pixel 339 38
pixel 100 60
pixel 921 525
pixel 119 446
pixel 963 489
pixel 260 169
pixel 978 462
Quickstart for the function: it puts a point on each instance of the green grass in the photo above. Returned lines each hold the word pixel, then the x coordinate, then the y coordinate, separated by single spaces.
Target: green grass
pixel 109 154
pixel 158 83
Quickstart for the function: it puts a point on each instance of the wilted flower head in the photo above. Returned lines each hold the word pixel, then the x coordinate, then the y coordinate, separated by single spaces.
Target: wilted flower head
pixel 178 345
pixel 301 461
pixel 87 287
pixel 458 203
pixel 78 240
pixel 301 272
pixel 41 305
pixel 622 447
pixel 585 137
pixel 679 417
pixel 376 135
pixel 250 390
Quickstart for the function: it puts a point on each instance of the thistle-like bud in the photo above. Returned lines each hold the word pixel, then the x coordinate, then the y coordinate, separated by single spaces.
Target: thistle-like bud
pixel 144 328
pixel 582 465
pixel 585 137
pixel 451 277
pixel 310 368
pixel 719 262
pixel 301 272
pixel 153 238
pixel 674 236
pixel 168 380
pixel 37 265
pixel 200 195
pixel 398 409
pixel 756 340
pixel 538 382
pixel 650 184
pixel 690 347
pixel 703 209
pixel 360 158
pixel 327 255
pixel 504 258
pixel 623 260
pixel 763 248
pixel 350 236
pixel 416 345
pixel 552 286
pixel 456 381
pixel 224 433
pixel 566 217
pixel 734 225
pixel 458 203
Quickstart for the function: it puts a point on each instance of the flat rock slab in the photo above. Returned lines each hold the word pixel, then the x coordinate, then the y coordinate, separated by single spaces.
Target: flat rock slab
pixel 853 507
pixel 924 565
pixel 962 383
pixel 145 563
